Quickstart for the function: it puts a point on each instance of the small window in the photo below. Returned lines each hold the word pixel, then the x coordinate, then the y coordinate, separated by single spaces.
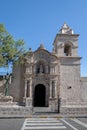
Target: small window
pixel 67 50
pixel 69 87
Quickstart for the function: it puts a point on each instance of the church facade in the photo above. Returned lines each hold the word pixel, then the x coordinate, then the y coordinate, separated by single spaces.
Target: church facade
pixel 52 79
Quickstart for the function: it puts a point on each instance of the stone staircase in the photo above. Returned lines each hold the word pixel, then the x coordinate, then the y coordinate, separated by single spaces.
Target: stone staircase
pixel 43 124
pixel 41 110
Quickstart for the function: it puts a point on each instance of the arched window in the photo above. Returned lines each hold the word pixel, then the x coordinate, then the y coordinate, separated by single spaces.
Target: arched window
pixel 67 50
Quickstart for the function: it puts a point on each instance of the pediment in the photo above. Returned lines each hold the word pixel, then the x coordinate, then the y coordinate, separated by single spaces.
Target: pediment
pixel 42 54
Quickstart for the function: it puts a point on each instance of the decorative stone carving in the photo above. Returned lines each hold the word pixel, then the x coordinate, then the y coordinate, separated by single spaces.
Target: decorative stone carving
pixel 4 98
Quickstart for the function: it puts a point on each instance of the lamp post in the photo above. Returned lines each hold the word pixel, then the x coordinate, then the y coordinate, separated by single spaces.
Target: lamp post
pixel 7 85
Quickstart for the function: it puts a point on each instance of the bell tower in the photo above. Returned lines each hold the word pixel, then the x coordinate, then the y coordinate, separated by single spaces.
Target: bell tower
pixel 66 42
pixel 66 49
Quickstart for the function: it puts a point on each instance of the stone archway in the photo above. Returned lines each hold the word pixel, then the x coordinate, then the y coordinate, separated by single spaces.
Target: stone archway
pixel 40 96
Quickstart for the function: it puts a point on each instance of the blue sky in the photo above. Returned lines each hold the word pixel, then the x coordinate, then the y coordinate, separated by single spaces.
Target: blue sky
pixel 38 21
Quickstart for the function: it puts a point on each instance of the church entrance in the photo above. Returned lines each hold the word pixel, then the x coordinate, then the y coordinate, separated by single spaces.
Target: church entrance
pixel 39 95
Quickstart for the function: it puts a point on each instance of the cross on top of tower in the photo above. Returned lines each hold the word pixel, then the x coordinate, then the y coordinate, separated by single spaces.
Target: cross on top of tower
pixel 41 46
pixel 65 29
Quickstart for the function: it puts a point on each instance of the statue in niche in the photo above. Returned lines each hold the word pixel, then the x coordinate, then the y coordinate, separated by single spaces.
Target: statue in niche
pixel 41 68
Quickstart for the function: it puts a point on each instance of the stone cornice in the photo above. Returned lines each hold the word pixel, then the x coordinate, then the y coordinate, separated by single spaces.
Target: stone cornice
pixel 59 37
pixel 69 57
pixel 73 35
pixel 39 75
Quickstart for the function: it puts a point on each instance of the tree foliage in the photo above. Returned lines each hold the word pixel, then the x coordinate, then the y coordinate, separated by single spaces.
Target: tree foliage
pixel 10 49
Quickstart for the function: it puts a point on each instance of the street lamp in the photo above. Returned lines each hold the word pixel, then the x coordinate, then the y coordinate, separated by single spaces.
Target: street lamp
pixel 7 84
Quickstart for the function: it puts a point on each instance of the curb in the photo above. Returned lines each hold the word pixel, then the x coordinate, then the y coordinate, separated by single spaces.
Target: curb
pixel 42 116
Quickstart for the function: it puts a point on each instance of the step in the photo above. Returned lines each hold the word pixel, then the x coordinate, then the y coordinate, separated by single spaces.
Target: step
pixel 41 119
pixel 41 109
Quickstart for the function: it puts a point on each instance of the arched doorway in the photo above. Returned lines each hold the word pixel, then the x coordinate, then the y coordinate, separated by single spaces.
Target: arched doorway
pixel 39 95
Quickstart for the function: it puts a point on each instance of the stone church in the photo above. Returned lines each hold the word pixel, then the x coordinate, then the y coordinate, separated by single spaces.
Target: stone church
pixel 51 80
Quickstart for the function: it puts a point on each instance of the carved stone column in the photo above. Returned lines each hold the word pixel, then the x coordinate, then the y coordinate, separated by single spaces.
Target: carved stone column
pixel 47 69
pixel 50 89
pixel 28 93
pixel 30 88
pixel 25 91
pixel 55 89
pixel 53 102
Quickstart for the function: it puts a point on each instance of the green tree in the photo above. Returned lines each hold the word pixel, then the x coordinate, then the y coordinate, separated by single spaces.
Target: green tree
pixel 10 49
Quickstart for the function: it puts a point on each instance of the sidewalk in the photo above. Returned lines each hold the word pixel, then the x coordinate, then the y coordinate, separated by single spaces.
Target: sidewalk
pixel 43 115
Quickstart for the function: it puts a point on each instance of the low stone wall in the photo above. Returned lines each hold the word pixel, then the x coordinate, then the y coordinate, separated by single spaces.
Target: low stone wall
pixel 20 111
pixel 73 110
pixel 12 110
